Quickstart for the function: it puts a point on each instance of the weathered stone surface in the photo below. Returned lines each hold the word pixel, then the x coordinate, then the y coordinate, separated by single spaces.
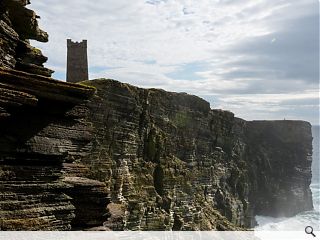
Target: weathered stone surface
pixel 31 197
pixel 24 21
pixel 17 25
pixel 90 199
pixel 280 154
pixel 16 98
pixel 44 87
pixel 173 163
pixel 164 156
pixel 43 133
pixel 164 161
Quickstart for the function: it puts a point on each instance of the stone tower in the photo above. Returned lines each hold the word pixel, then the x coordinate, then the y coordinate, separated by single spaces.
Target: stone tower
pixel 77 61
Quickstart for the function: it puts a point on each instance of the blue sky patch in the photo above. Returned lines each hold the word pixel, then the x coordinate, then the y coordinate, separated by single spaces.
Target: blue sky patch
pixel 59 75
pixel 189 71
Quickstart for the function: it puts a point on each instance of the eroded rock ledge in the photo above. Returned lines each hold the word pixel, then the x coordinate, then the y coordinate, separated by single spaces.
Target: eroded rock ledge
pixel 18 24
pixel 42 129
pixel 44 133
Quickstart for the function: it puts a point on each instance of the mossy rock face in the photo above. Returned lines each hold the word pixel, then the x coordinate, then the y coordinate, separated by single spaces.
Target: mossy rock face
pixel 181 119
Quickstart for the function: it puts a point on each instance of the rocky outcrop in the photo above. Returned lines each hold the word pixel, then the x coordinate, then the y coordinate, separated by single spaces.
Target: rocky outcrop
pixel 280 153
pixel 43 134
pixel 172 163
pixel 166 158
pixel 41 129
pixel 90 198
pixel 141 159
pixel 17 25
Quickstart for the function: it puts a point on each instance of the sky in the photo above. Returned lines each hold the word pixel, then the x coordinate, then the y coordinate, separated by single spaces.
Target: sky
pixel 258 59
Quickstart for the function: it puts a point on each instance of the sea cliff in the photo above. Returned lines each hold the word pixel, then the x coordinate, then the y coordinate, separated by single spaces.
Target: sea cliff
pixel 110 156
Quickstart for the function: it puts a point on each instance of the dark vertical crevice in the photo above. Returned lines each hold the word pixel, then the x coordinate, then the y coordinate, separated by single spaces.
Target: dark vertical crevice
pixel 158 180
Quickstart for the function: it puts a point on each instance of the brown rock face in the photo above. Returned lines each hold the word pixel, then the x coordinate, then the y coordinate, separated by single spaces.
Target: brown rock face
pixel 281 155
pixel 43 133
pixel 154 160
pixel 41 129
pixel 17 25
pixel 175 164
pixel 166 157
pixel 89 197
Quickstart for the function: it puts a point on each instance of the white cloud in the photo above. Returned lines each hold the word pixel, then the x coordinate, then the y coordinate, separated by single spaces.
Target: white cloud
pixel 135 30
pixel 143 41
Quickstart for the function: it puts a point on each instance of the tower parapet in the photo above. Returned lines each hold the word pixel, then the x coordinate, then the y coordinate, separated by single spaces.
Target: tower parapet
pixel 77 61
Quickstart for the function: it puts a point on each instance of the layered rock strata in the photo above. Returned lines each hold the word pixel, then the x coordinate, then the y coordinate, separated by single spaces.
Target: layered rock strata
pixel 41 129
pixel 159 160
pixel 280 153
pixel 172 163
pixel 18 24
pixel 43 134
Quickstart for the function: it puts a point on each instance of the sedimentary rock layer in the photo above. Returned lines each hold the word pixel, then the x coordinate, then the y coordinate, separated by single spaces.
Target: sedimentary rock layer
pixel 157 160
pixel 18 24
pixel 43 133
pixel 171 162
pixel 280 153
pixel 161 160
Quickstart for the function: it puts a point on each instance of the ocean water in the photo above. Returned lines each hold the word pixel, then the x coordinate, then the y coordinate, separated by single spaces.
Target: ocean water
pixel 309 218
